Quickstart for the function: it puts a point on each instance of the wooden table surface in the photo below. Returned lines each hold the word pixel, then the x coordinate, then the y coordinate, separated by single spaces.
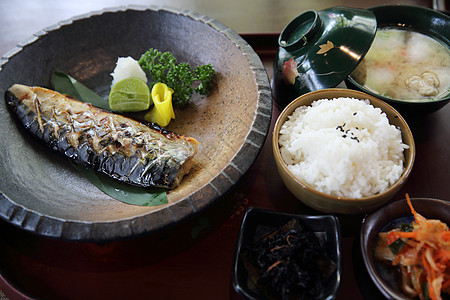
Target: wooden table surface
pixel 194 259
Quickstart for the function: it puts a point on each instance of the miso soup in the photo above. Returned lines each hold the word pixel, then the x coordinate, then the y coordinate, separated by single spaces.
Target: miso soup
pixel 405 65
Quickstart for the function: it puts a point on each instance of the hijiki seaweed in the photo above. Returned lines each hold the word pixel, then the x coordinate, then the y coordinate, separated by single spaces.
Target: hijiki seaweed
pixel 289 263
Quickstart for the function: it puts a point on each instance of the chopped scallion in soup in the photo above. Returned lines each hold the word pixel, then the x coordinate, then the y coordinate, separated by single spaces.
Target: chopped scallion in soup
pixel 405 65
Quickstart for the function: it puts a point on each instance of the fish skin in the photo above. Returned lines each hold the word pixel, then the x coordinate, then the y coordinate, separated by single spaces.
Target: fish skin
pixel 117 146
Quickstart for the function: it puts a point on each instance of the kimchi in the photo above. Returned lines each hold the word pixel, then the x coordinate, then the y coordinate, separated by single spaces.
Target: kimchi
pixel 421 250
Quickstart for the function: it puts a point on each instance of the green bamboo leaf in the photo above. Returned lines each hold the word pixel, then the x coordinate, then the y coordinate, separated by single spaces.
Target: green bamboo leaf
pixel 123 192
pixel 68 85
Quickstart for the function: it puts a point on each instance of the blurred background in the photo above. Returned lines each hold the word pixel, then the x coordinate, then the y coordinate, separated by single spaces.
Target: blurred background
pixel 20 19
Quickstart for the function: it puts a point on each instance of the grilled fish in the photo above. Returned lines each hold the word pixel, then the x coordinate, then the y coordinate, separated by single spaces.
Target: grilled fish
pixel 125 149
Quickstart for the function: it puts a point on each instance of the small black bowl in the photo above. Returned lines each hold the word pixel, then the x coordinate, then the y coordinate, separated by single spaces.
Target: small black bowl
pixel 420 19
pixel 385 219
pixel 326 227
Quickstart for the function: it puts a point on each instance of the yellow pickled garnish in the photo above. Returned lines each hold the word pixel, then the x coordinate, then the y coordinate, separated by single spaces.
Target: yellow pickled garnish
pixel 162 111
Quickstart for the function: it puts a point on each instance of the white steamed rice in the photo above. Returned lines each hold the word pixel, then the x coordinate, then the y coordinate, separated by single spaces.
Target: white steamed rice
pixel 343 147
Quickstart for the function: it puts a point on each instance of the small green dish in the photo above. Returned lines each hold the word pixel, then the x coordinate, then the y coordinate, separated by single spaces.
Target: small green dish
pixel 319 49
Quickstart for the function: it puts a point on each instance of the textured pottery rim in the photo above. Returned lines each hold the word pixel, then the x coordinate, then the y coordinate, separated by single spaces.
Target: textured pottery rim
pixel 53 227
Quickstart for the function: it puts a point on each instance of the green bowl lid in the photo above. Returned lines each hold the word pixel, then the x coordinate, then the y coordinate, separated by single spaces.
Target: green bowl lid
pixel 320 49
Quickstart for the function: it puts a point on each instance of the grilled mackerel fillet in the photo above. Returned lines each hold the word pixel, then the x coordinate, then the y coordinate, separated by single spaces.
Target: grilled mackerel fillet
pixel 115 145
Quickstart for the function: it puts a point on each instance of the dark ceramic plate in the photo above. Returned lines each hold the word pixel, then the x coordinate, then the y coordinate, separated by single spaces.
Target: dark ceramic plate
pixel 42 193
pixel 326 227
pixel 385 219
pixel 420 19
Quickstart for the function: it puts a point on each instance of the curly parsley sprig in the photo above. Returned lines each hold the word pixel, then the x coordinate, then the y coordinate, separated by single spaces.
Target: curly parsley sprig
pixel 163 67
